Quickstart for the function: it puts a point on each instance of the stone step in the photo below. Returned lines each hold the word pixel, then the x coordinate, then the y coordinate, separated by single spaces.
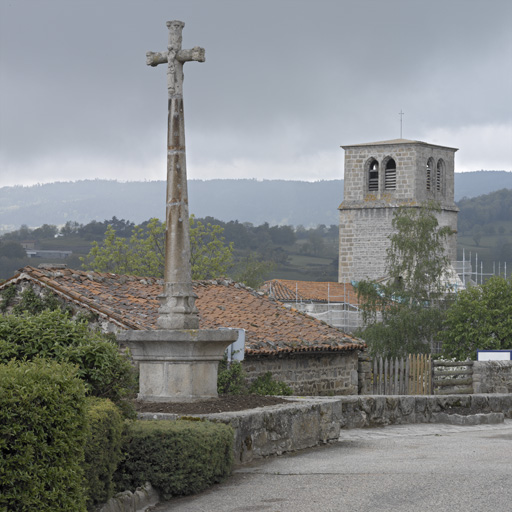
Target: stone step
pixel 490 418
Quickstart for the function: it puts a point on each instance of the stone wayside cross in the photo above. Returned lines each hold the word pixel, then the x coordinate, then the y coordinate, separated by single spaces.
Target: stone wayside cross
pixel 177 361
pixel 177 310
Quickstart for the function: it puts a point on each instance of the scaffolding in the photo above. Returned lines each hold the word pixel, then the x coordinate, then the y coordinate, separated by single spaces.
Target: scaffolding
pixel 469 277
pixel 337 310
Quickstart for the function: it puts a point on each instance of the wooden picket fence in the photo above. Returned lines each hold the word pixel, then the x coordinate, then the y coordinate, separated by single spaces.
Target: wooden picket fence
pixel 410 375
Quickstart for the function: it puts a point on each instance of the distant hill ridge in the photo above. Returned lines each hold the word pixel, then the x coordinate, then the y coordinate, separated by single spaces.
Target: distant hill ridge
pixel 273 201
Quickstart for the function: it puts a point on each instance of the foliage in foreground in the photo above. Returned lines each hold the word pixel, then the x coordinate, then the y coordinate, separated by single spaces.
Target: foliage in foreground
pixel 232 380
pixel 42 434
pixel 53 335
pixel 177 457
pixel 480 318
pixel 405 314
pixel 102 449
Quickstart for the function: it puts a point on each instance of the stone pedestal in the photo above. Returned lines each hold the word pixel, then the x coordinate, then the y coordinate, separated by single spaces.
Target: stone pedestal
pixel 178 365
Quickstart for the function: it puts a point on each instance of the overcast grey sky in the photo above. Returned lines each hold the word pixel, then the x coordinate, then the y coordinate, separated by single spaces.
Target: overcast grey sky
pixel 284 85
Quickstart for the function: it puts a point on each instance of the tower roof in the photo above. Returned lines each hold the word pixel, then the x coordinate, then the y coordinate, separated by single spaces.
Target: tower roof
pixel 396 142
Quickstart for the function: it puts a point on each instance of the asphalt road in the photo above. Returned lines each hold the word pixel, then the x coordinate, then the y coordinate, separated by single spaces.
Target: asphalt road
pixel 400 468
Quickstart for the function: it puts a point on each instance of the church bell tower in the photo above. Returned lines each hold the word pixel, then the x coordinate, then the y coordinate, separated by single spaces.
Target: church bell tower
pixel 379 178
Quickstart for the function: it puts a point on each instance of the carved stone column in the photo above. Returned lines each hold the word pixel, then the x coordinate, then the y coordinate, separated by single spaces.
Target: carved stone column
pixel 178 361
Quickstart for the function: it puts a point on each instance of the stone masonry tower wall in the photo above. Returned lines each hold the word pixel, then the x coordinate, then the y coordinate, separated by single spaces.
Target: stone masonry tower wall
pixel 379 178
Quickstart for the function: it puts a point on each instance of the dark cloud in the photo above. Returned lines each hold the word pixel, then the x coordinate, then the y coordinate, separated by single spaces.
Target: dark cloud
pixel 285 83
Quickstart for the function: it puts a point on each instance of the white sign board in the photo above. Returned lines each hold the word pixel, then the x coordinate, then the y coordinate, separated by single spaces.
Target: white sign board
pixel 494 355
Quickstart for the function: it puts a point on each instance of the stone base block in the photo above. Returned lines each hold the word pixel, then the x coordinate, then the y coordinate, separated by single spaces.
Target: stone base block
pixel 178 365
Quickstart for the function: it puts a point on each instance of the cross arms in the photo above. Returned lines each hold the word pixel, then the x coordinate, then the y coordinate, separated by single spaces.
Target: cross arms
pixel 155 58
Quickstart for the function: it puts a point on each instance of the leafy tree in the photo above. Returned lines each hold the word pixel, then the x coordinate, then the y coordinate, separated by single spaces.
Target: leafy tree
pixel 316 242
pixel 282 235
pixel 12 250
pixel 416 259
pixel 20 234
pixel 71 228
pixel 404 314
pixel 45 231
pixel 209 256
pixel 251 271
pixel 143 253
pixel 480 318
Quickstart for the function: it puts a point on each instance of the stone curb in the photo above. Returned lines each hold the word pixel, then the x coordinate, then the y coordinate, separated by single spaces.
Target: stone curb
pixel 128 501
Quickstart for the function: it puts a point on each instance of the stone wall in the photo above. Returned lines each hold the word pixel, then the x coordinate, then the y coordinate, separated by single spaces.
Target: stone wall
pixel 364 238
pixel 310 421
pixel 379 411
pixel 309 373
pixel 492 377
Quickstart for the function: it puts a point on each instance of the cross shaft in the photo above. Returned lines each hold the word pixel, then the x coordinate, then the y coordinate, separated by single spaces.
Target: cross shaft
pixel 177 303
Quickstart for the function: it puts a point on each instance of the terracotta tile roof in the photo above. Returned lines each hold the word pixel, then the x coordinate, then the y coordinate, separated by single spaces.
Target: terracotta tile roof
pixel 130 302
pixel 286 290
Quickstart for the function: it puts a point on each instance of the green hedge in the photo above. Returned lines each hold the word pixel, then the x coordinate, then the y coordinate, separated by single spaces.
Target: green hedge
pixel 42 434
pixel 177 457
pixel 53 335
pixel 102 449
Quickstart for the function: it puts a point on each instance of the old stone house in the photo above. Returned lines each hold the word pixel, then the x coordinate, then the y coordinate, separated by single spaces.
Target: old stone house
pixel 311 356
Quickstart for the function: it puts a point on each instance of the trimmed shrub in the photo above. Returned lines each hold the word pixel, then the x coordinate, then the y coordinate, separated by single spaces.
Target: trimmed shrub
pixel 178 457
pixel 52 334
pixel 42 434
pixel 102 449
pixel 266 385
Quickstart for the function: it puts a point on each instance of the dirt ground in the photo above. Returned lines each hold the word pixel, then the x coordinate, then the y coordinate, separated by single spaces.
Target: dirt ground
pixel 223 403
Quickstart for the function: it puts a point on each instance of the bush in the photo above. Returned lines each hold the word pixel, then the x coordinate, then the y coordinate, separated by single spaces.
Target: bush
pixel 231 380
pixel 106 372
pixel 42 435
pixel 53 335
pixel 480 318
pixel 177 457
pixel 102 449
pixel 266 385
